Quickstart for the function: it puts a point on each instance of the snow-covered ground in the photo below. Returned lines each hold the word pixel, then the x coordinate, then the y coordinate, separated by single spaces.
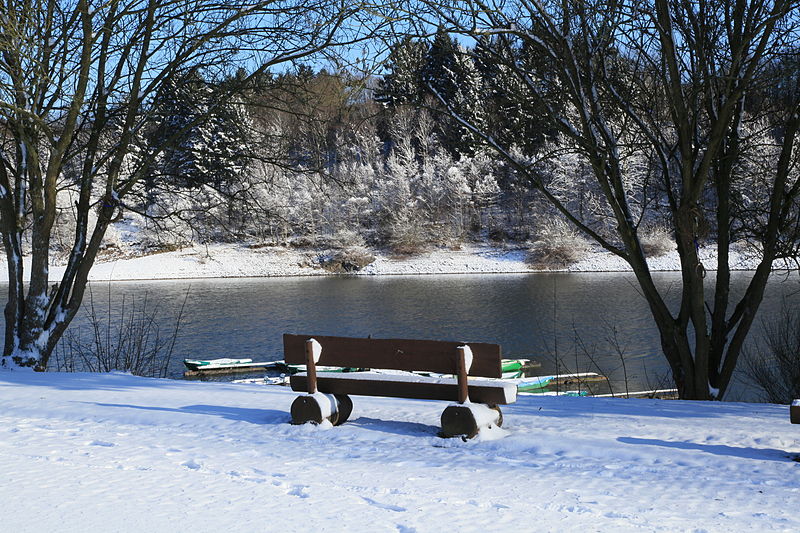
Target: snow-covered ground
pixel 236 260
pixel 94 452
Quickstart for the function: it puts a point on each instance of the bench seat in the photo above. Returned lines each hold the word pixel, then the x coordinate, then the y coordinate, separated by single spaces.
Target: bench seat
pixel 407 386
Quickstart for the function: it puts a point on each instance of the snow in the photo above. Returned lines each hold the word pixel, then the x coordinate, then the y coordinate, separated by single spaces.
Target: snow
pixel 316 350
pixel 236 260
pixel 114 452
pixel 484 416
pixel 327 403
pixel 467 357
pixel 509 388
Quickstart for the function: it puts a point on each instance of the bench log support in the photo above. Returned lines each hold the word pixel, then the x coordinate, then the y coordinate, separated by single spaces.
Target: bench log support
pixel 311 367
pixel 461 373
pixel 459 420
pixel 307 408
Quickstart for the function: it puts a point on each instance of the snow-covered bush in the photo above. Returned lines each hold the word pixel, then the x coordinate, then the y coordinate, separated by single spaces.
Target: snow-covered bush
pixel 63 234
pixel 168 224
pixel 656 242
pixel 343 239
pixel 407 235
pixel 350 259
pixel 558 245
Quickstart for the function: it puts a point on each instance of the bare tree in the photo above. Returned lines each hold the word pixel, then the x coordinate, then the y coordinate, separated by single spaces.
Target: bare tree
pixel 77 80
pixel 684 80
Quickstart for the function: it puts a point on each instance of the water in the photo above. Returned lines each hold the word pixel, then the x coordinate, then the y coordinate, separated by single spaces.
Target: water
pixel 564 321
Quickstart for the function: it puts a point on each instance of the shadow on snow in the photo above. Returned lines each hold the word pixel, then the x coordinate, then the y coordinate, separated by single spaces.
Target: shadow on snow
pixel 242 414
pixel 760 454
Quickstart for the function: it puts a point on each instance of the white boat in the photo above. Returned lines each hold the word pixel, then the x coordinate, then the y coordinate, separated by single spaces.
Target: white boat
pixel 216 364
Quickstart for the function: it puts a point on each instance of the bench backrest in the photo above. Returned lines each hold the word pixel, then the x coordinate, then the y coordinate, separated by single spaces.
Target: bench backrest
pixel 395 354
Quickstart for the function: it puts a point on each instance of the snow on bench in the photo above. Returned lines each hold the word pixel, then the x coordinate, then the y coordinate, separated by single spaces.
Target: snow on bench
pixel 440 388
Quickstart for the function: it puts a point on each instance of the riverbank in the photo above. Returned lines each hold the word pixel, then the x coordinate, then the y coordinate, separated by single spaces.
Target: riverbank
pixel 237 260
pixel 114 452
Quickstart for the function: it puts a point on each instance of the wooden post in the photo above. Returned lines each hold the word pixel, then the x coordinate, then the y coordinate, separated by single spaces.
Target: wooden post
pixel 463 387
pixel 311 368
pixel 794 412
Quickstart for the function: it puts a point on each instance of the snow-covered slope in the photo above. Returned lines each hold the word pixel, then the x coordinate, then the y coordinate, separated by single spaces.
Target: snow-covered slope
pixel 91 452
pixel 236 260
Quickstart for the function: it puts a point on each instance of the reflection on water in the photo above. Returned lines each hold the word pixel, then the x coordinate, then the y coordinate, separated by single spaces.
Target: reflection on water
pixel 565 321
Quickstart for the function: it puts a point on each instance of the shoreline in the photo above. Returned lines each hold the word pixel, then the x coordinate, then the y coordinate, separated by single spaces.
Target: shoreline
pixel 237 261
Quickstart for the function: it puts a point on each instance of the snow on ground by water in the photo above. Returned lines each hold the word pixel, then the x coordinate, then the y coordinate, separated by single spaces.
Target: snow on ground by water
pixel 112 452
pixel 236 260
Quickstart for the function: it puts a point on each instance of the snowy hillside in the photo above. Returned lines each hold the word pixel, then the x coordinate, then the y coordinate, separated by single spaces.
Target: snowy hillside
pixel 93 452
pixel 237 260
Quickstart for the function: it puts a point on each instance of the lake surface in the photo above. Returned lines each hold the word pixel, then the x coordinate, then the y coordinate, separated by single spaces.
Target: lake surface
pixel 563 320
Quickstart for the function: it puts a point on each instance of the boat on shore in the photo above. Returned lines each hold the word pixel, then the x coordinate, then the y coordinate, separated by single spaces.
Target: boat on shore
pixel 540 383
pixel 207 367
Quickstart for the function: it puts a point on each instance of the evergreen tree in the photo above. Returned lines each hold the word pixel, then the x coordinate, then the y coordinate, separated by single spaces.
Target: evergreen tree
pixel 514 117
pixel 211 138
pixel 451 76
pixel 467 101
pixel 403 83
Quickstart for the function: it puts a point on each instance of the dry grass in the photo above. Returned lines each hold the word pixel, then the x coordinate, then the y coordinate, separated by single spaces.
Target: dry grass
pixel 558 246
pixel 656 242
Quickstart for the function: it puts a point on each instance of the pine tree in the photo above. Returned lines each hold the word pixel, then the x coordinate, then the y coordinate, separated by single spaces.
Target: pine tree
pixel 451 76
pixel 467 101
pixel 514 116
pixel 211 137
pixel 403 83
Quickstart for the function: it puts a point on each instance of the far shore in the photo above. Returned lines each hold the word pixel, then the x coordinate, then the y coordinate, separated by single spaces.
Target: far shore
pixel 240 261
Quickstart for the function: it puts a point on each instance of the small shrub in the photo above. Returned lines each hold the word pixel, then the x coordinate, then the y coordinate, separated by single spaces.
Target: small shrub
pixel 347 260
pixel 164 247
pixel 137 340
pixel 499 234
pixel 342 239
pixel 408 237
pixel 302 242
pixel 775 369
pixel 657 242
pixel 558 246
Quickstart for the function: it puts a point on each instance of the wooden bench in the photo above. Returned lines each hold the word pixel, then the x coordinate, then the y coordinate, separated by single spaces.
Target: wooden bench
pixel 794 412
pixel 328 393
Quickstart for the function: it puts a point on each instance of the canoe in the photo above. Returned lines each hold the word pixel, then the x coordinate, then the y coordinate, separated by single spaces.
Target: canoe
pixel 283 366
pixel 225 362
pixel 516 368
pixel 537 383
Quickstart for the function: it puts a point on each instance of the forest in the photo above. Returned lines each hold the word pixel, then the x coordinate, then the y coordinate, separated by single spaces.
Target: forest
pixel 345 159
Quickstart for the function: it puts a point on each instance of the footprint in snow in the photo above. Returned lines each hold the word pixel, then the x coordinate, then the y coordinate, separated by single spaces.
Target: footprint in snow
pixel 191 464
pixel 380 505
pixel 301 491
pixel 102 443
